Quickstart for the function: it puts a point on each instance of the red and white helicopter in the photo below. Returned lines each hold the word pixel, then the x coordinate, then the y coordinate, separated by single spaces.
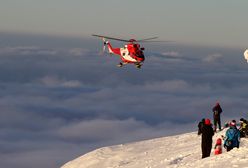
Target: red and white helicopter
pixel 131 53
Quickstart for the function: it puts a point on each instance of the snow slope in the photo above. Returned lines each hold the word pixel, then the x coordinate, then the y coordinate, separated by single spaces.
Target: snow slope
pixel 168 152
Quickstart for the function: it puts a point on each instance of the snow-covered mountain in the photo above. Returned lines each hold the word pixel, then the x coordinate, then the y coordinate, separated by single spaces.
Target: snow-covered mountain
pixel 168 152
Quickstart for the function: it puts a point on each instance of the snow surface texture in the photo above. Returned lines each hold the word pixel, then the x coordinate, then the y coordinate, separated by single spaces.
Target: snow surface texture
pixel 168 152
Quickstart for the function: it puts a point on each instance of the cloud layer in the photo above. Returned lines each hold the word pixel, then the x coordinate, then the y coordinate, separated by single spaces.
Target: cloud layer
pixel 60 102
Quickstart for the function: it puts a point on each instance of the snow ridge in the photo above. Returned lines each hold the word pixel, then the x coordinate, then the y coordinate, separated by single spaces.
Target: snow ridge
pixel 171 152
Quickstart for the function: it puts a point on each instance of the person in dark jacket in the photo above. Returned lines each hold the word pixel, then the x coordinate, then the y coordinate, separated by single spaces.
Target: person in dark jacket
pixel 217 110
pixel 200 125
pixel 243 128
pixel 207 134
pixel 232 137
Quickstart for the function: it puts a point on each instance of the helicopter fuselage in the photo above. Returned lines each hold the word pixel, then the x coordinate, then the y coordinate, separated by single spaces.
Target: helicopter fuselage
pixel 130 53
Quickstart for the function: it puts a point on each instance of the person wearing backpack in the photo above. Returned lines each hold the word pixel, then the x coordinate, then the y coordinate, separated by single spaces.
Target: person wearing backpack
pixel 232 137
pixel 217 110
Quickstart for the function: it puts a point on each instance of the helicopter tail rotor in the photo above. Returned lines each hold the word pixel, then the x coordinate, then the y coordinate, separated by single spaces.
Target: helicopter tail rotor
pixel 105 42
pixel 104 45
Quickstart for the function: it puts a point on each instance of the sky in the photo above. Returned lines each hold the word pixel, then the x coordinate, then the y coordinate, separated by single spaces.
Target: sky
pixel 60 97
pixel 222 23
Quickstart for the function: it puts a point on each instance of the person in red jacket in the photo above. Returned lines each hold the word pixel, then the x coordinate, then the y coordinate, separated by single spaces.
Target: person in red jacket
pixel 218 147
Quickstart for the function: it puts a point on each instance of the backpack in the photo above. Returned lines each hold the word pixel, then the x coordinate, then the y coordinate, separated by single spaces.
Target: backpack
pixel 216 113
pixel 217 150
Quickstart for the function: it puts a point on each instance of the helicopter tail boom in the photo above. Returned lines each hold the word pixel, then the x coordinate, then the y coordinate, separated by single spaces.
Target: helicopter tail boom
pixel 111 50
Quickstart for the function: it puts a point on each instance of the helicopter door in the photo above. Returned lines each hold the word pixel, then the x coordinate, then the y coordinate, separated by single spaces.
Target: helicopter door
pixel 126 55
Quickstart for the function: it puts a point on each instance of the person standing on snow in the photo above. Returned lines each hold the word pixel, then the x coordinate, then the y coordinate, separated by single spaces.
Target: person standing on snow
pixel 232 137
pixel 200 125
pixel 217 110
pixel 207 134
pixel 243 128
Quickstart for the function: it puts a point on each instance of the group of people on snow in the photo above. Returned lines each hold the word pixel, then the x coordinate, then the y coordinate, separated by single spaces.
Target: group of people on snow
pixel 231 138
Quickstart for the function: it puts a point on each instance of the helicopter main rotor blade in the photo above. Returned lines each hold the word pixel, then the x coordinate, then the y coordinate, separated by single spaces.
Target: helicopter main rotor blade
pixel 112 38
pixel 147 39
pixel 157 41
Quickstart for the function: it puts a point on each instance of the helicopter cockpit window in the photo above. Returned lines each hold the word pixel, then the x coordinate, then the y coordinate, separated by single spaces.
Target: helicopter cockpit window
pixel 140 54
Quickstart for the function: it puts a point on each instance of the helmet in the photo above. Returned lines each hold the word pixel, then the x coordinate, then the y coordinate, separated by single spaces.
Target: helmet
pixel 233 123
pixel 207 122
pixel 218 141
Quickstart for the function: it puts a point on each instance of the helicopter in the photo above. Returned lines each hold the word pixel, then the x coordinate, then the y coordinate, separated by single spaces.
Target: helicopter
pixel 131 53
